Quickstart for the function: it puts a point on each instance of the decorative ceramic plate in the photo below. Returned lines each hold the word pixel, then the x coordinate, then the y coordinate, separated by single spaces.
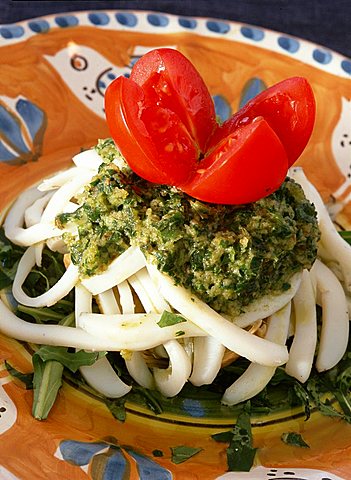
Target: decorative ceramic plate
pixel 54 71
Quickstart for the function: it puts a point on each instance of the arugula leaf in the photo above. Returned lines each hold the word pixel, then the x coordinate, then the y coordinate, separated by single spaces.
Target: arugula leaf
pixel 117 408
pixel 26 378
pixel 47 381
pixel 41 315
pixel 157 453
pixel 182 453
pixel 240 451
pixel 346 235
pixel 179 333
pixel 303 396
pixel 295 439
pixel 344 394
pixel 9 258
pixel 168 319
pixel 71 360
pixel 150 399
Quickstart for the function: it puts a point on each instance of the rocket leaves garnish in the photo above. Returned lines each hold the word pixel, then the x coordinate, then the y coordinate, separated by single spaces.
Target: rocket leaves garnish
pixel 294 439
pixel 168 319
pixel 182 453
pixel 346 235
pixel 71 360
pixel 240 451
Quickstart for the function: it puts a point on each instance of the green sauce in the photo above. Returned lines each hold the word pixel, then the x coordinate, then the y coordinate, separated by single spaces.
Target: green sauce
pixel 227 255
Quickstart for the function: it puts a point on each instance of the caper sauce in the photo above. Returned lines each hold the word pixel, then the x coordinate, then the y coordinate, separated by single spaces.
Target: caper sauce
pixel 227 255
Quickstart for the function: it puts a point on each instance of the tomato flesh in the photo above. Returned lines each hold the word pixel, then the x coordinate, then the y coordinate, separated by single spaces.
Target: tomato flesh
pixel 247 165
pixel 170 80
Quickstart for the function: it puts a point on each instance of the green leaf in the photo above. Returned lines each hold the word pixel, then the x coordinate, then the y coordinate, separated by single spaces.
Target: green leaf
pixel 157 453
pixel 9 257
pixel 182 453
pixel 71 360
pixel 295 439
pixel 316 390
pixel 179 333
pixel 346 235
pixel 223 437
pixel 303 396
pixel 150 400
pixel 240 451
pixel 168 319
pixel 344 398
pixel 26 378
pixel 41 315
pixel 47 381
pixel 117 408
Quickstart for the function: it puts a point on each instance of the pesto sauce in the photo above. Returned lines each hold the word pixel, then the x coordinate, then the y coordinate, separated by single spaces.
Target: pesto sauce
pixel 227 255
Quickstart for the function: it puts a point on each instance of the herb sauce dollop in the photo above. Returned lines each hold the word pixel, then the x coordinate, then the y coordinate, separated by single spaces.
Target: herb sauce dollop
pixel 227 255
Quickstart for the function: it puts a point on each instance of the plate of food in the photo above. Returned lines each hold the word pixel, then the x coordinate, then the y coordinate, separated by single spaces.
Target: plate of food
pixel 175 262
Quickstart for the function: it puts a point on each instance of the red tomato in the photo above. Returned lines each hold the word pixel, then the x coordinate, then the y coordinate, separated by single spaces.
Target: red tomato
pixel 170 80
pixel 247 165
pixel 163 121
pixel 153 140
pixel 288 107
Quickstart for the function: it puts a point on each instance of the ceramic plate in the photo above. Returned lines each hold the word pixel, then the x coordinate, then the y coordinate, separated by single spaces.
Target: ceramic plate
pixel 54 71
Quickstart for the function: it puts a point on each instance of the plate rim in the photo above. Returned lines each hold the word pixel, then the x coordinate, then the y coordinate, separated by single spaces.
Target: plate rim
pixel 327 59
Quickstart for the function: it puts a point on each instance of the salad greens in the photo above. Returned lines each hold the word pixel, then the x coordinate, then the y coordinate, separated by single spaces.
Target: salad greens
pixel 295 439
pixel 182 453
pixel 240 452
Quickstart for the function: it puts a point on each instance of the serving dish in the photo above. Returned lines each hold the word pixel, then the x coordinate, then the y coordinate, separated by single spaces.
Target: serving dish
pixel 55 70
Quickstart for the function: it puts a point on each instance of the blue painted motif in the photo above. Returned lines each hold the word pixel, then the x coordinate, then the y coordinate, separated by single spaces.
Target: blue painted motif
pixel 111 76
pixel 253 87
pixel 26 117
pixel 346 66
pixel 116 464
pixel 127 19
pixel 98 18
pixel 112 459
pixel 217 26
pixel 66 21
pixel 252 33
pixel 157 20
pixel 32 115
pixel 10 128
pixel 11 31
pixel 322 56
pixel 193 407
pixel 5 154
pixel 80 453
pixel 222 107
pixel 189 23
pixel 148 469
pixel 39 26
pixel 289 44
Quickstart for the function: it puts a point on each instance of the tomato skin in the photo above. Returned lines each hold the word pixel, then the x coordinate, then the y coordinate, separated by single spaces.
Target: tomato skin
pixel 288 107
pixel 153 140
pixel 168 78
pixel 249 164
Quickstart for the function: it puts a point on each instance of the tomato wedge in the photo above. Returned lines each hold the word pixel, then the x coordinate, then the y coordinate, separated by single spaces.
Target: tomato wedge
pixel 288 107
pixel 154 141
pixel 247 165
pixel 163 120
pixel 169 79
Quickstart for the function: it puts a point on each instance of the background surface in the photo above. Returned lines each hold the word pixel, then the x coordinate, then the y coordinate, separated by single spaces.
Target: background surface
pixel 326 22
